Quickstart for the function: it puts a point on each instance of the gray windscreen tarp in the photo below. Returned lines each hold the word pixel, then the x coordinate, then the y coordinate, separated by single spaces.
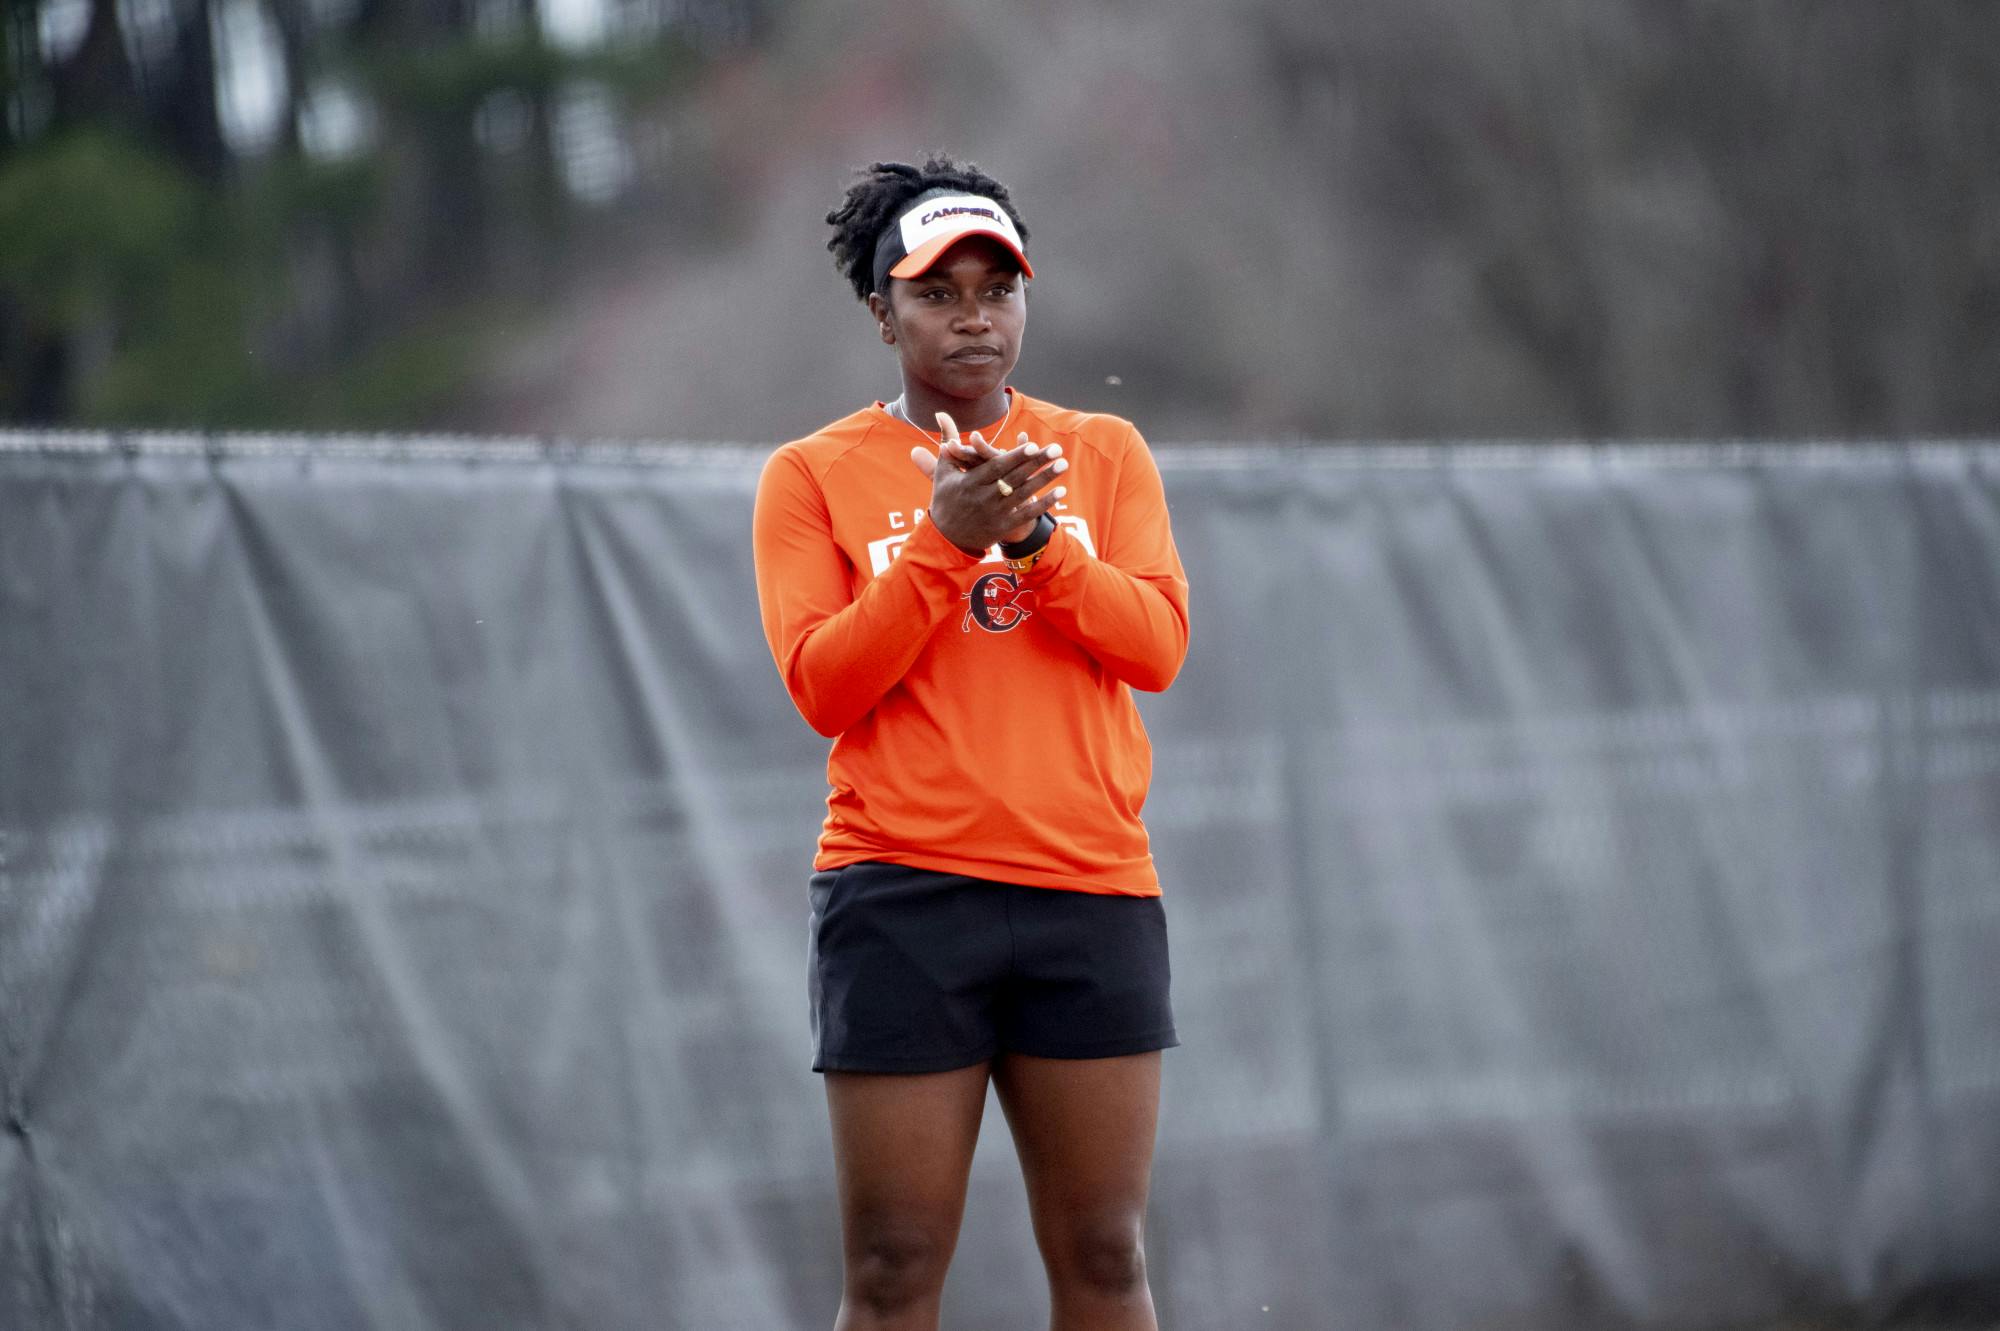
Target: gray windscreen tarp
pixel 1583 867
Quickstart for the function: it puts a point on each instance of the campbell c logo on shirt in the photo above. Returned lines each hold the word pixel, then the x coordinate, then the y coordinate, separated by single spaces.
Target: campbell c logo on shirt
pixel 996 603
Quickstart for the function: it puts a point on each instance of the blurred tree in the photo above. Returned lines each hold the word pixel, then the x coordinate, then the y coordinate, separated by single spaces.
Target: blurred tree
pixel 1764 219
pixel 1532 218
pixel 96 81
pixel 180 92
pixel 281 212
pixel 91 226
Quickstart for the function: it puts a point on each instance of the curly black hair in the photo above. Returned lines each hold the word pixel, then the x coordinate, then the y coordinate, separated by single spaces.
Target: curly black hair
pixel 883 192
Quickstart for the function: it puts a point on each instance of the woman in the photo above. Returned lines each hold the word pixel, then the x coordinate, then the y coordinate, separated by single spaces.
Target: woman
pixel 966 619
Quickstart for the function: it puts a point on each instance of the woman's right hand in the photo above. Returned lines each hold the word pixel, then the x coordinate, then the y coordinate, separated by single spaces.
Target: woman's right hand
pixel 968 503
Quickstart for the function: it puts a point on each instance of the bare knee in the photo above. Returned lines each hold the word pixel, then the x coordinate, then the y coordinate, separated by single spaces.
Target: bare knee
pixel 1101 1255
pixel 894 1263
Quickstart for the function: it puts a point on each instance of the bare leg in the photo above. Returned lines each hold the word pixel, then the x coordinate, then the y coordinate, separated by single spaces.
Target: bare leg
pixel 1084 1129
pixel 902 1147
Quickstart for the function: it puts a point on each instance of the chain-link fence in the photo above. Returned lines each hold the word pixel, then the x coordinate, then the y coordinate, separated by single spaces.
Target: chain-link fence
pixel 1583 867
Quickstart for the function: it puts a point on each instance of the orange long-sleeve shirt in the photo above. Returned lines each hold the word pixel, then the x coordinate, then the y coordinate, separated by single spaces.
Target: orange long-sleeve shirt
pixel 982 724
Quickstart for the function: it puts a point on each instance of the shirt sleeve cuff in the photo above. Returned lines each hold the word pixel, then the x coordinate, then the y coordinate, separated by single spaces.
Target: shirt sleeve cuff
pixel 933 549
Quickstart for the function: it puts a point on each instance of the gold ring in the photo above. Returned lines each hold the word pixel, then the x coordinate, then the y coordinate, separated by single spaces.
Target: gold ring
pixel 1006 490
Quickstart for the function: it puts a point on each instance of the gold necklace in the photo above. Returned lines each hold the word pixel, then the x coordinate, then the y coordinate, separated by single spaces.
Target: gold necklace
pixel 902 413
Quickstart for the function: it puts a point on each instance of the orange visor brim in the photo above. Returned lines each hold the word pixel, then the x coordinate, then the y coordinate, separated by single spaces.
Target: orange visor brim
pixel 918 261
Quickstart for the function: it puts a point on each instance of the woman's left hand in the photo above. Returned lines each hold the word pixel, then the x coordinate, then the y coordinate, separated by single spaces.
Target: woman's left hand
pixel 969 454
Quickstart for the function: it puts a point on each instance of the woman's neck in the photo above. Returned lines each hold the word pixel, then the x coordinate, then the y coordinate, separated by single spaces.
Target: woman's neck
pixel 922 405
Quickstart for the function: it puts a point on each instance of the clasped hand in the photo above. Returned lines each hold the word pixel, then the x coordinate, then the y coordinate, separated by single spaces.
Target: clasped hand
pixel 985 496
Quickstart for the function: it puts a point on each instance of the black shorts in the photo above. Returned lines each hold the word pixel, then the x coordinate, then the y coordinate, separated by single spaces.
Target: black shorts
pixel 912 970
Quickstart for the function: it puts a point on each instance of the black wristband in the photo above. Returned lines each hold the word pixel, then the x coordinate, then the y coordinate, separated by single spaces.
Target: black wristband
pixel 1045 527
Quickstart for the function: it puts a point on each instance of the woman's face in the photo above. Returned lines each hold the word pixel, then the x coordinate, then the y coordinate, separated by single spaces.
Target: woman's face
pixel 958 326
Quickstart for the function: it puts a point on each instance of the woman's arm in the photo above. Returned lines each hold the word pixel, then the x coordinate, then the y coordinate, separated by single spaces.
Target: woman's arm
pixel 1128 608
pixel 837 655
